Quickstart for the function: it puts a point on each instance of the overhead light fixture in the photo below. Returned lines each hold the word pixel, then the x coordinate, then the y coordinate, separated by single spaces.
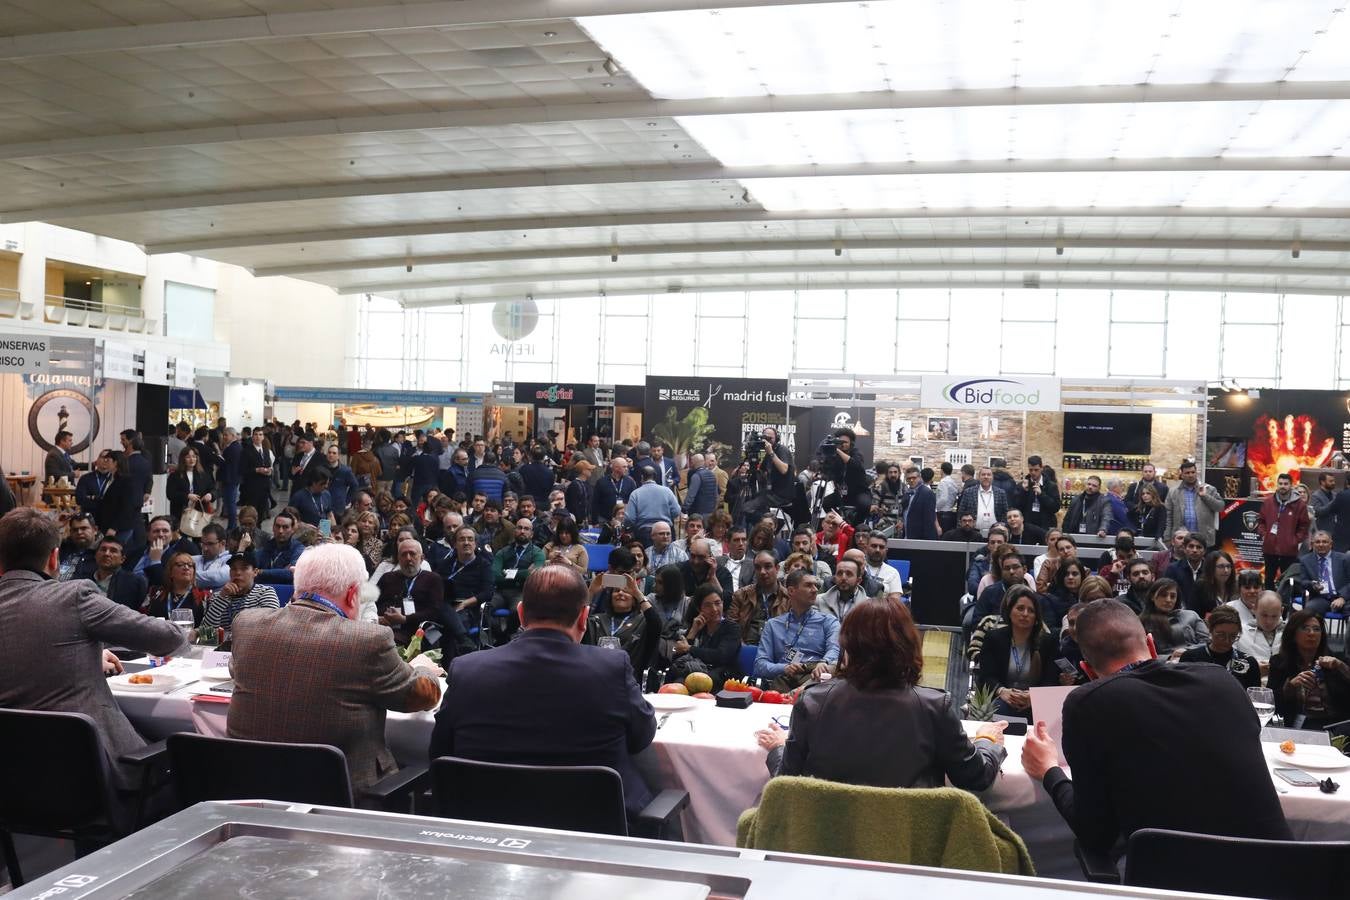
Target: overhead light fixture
pixel 550 34
pixel 611 67
pixel 1295 250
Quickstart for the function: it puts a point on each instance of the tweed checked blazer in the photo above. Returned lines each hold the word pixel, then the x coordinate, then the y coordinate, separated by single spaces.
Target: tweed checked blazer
pixel 51 652
pixel 303 674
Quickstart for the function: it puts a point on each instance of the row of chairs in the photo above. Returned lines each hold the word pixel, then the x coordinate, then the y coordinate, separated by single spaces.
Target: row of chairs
pixel 55 781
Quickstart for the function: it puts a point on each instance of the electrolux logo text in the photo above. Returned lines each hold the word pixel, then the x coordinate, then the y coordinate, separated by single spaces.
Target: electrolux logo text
pixel 989 392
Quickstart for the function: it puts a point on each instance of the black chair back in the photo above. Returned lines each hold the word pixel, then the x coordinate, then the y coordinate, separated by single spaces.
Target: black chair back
pixel 212 768
pixel 1243 867
pixel 571 798
pixel 54 774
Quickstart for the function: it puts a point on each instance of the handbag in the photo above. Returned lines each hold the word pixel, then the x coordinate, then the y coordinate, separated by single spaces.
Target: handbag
pixel 193 520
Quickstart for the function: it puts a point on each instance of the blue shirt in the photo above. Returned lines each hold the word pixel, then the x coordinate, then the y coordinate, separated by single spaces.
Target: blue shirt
pixel 650 504
pixel 1188 515
pixel 815 636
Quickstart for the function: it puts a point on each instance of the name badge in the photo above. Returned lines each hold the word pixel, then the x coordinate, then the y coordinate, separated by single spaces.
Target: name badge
pixel 1035 505
pixel 409 607
pixel 1275 528
pixel 215 659
pixel 510 574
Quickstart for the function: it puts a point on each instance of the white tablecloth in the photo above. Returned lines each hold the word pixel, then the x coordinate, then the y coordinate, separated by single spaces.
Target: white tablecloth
pixel 711 753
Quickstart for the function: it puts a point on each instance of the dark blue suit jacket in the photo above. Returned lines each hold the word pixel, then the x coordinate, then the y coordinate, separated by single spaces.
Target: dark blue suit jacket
pixel 921 515
pixel 604 496
pixel 544 700
pixel 1340 573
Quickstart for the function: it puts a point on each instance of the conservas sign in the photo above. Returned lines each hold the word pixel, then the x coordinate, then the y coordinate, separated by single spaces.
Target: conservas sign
pixel 25 353
pixel 1003 392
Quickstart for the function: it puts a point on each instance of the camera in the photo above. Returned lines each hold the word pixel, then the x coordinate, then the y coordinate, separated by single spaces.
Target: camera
pixel 828 445
pixel 754 445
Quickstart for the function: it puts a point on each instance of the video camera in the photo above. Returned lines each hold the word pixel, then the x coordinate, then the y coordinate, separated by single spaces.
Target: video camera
pixel 754 445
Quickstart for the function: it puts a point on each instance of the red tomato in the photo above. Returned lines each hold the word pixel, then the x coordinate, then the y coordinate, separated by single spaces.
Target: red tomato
pixel 772 697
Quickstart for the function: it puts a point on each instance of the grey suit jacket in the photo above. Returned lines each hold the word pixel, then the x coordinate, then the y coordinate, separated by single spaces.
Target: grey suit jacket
pixel 52 635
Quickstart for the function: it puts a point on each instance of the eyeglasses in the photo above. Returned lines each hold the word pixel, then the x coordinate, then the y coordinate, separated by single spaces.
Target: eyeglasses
pixel 1310 629
pixel 1224 636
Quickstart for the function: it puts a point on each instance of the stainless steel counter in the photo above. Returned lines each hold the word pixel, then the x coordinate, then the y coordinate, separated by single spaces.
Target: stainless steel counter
pixel 275 851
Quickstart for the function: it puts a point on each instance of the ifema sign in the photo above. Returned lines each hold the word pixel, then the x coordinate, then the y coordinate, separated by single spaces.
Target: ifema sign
pixel 996 393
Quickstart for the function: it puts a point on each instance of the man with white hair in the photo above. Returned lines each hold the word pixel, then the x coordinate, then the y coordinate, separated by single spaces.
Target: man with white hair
pixel 312 673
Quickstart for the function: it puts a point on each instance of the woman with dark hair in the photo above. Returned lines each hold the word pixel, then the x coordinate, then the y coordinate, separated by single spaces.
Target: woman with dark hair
pixel 763 538
pixel 1225 627
pixel 566 545
pixel 611 530
pixel 1174 630
pixel 178 591
pixel 1019 655
pixel 628 617
pixel 1218 583
pixel 1311 687
pixel 1063 593
pixel 1149 515
pixel 873 725
pixel 189 484
pixel 711 643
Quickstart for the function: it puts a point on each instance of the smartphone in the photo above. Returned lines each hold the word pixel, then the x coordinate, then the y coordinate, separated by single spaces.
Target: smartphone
pixel 1066 667
pixel 325 528
pixel 610 580
pixel 225 687
pixel 1297 777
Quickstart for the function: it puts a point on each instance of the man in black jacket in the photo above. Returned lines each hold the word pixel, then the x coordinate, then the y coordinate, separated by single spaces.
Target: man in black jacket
pixel 1038 496
pixel 1194 715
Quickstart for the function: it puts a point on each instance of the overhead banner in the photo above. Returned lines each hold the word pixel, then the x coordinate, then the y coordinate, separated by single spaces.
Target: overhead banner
pixel 1263 433
pixel 976 394
pixel 690 414
pixel 554 395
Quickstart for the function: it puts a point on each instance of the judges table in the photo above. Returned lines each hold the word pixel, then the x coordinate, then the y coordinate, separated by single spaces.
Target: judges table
pixel 937 570
pixel 711 753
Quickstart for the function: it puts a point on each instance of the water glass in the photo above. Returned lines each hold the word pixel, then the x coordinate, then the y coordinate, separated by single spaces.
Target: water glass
pixel 1263 701
pixel 183 619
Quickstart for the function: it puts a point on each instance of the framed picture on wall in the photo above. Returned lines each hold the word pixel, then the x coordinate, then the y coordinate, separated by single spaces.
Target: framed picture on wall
pixel 901 432
pixel 997 462
pixel 916 461
pixel 946 429
pixel 957 457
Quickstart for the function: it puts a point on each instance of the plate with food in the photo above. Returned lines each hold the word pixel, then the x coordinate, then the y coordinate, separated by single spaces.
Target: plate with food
pixel 145 682
pixel 1306 756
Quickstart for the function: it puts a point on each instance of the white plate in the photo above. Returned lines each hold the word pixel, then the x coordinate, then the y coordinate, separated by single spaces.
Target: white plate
pixel 219 673
pixel 671 702
pixel 1308 756
pixel 163 682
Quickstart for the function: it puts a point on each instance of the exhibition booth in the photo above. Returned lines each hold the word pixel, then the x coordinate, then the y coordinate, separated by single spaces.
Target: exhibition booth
pixel 394 410
pixel 572 411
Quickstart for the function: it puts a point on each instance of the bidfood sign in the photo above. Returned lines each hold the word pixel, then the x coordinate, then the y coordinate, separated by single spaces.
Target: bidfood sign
pixel 998 393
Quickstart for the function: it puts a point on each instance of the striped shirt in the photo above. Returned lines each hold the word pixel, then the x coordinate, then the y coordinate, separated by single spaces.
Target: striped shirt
pixel 221 610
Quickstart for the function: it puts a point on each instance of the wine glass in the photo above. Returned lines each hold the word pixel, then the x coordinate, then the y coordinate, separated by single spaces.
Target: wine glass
pixel 183 619
pixel 1263 701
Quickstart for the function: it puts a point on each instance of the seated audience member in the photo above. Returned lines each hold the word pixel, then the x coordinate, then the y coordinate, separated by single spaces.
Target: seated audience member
pixel 1261 640
pixel 278 555
pixel 1051 552
pixel 115 582
pixel 178 591
pixel 567 547
pixel 1068 661
pixel 803 643
pixel 1312 687
pixel 53 633
pixel 411 595
pixel 1224 630
pixel 313 503
pixel 584 699
pixel 846 593
pixel 738 563
pixel 878 568
pixel 1249 592
pixel 761 600
pixel 711 644
pixel 701 568
pixel 469 581
pixel 1139 575
pixel 1115 563
pixel 1174 630
pixel 663 552
pixel 1010 571
pixel 510 567
pixel 1063 594
pixel 673 606
pixel 353 672
pixel 163 541
pixel 835 535
pixel 1171 552
pixel 626 615
pixel 874 725
pixel 79 548
pixel 1095 588
pixel 1325 577
pixel 764 536
pixel 979 566
pixel 1113 723
pixel 1066 548
pixel 965 530
pixel 241 592
pixel 1020 531
pixel 1187 571
pixel 489 527
pixel 695 529
pixel 1218 583
pixel 213 565
pixel 1018 655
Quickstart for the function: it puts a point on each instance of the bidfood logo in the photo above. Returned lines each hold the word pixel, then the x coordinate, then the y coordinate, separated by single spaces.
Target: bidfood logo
pixel 1004 393
pixel 679 395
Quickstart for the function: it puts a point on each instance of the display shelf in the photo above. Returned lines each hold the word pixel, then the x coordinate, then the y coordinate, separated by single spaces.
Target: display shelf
pixel 1103 462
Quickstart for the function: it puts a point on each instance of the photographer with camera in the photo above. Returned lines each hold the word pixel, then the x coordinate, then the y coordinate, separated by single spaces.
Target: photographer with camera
pixel 842 464
pixel 1038 497
pixel 770 477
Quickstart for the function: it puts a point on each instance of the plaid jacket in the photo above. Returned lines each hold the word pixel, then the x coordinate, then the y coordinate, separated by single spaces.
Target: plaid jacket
pixel 304 675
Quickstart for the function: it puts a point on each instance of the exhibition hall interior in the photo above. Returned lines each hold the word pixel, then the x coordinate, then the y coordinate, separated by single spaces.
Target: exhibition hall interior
pixel 677 449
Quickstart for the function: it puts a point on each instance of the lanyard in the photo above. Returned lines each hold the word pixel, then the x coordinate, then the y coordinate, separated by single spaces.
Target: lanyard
pixel 800 629
pixel 455 568
pixel 102 484
pixel 617 626
pixel 520 554
pixel 409 589
pixel 322 601
pixel 181 600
